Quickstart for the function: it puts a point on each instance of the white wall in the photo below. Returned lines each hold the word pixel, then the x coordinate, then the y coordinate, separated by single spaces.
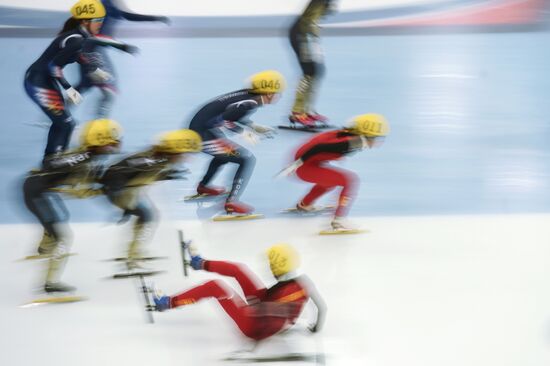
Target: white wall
pixel 219 7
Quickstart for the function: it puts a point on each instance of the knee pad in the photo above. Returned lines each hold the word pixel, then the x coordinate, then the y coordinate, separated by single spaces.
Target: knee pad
pixel 313 69
pixel 309 68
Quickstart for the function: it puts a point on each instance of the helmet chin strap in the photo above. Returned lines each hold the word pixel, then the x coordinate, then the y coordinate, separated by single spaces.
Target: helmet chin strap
pixel 85 28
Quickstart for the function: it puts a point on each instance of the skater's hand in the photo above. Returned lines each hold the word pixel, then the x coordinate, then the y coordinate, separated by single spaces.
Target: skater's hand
pixel 128 48
pixel 100 76
pixel 290 169
pixel 126 215
pixel 164 20
pixel 313 328
pixel 264 130
pixel 74 96
pixel 250 137
pixel 176 174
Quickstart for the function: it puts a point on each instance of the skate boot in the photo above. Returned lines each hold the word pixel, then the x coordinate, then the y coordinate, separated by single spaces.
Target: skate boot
pixel 338 224
pixel 238 208
pixel 300 207
pixel 50 287
pixel 197 262
pixel 316 117
pixel 162 302
pixel 301 119
pixel 210 191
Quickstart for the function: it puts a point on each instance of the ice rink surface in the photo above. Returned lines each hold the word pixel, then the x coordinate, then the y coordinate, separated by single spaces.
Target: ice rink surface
pixel 454 270
pixel 421 291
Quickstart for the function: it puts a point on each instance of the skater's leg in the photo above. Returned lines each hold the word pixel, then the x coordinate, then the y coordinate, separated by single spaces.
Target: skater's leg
pixel 249 282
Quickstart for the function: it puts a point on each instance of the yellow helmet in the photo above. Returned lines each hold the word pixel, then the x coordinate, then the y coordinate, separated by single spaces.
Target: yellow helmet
pixel 267 82
pixel 100 132
pixel 370 125
pixel 88 9
pixel 179 141
pixel 282 259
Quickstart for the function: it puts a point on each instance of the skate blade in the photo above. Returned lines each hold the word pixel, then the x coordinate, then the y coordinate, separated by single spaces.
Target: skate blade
pixel 150 308
pixel 203 197
pixel 275 358
pixel 38 257
pixel 320 210
pixel 342 232
pixel 141 259
pixel 301 129
pixel 53 300
pixel 237 217
pixel 122 275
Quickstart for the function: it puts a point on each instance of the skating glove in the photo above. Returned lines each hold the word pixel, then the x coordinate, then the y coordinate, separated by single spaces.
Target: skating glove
pixel 175 174
pixel 164 20
pixel 264 130
pixel 128 48
pixel 100 76
pixel 74 96
pixel 313 328
pixel 250 137
pixel 290 169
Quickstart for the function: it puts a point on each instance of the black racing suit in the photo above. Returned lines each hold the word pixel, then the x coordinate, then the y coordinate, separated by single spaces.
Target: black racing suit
pixel 44 79
pixel 98 57
pixel 228 111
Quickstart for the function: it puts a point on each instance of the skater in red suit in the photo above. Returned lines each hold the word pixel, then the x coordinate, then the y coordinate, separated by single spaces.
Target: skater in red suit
pixel 311 164
pixel 264 311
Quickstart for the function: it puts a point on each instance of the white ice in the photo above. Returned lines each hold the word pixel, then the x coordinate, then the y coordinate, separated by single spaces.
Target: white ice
pixel 415 291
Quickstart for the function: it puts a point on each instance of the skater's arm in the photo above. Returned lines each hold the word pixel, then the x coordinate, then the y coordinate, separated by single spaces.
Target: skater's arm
pixel 127 14
pixel 237 112
pixel 133 17
pixel 106 41
pixel 133 173
pixel 318 301
pixel 70 45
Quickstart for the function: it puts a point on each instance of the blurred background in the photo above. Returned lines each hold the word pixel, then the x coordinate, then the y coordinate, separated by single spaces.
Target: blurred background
pixel 455 268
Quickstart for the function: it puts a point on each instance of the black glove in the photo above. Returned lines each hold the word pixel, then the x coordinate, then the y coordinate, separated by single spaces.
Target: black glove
pixel 128 48
pixel 313 328
pixel 176 174
pixel 124 218
pixel 164 20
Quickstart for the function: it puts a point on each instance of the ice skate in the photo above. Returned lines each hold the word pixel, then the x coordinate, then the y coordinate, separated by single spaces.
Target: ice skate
pixel 52 287
pixel 318 117
pixel 204 192
pixel 306 210
pixel 162 302
pixel 300 122
pixel 135 268
pixel 237 211
pixel 340 227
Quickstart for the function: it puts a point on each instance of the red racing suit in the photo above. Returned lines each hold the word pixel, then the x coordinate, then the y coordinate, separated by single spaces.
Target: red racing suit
pixel 315 154
pixel 266 311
